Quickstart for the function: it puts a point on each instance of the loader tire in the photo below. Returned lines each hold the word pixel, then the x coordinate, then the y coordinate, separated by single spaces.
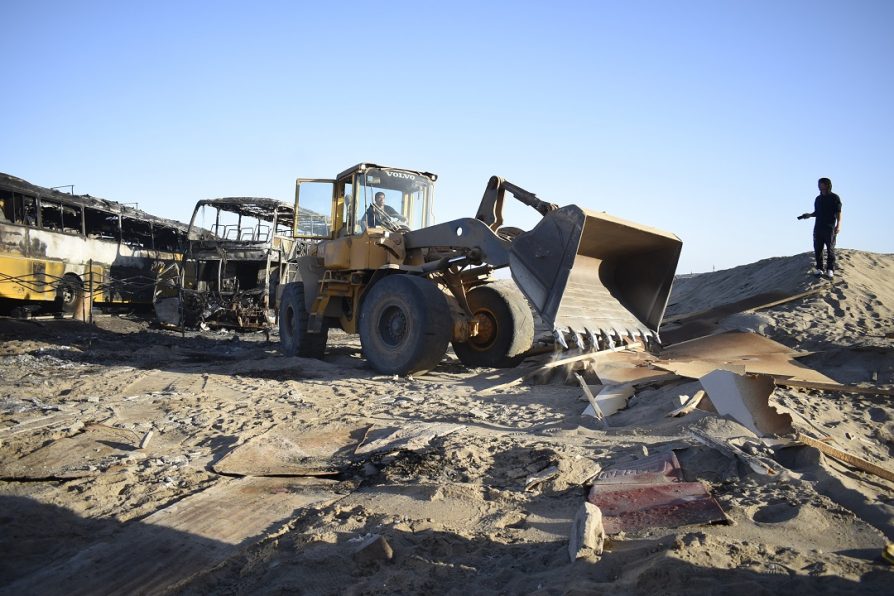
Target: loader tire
pixel 294 340
pixel 505 327
pixel 405 325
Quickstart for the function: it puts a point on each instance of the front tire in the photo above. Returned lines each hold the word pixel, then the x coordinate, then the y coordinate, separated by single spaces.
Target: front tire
pixel 405 325
pixel 294 339
pixel 505 327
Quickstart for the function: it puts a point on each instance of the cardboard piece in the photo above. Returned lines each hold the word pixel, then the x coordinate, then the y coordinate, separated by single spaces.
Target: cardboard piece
pixel 745 398
pixel 609 400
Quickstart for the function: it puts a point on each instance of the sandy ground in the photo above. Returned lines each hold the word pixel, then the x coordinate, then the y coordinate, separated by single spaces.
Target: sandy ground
pixel 84 509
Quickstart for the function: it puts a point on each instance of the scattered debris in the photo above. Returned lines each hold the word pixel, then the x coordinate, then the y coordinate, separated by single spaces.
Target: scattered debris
pixel 853 460
pixel 145 441
pixel 650 493
pixel 83 455
pixel 561 362
pixel 587 532
pixel 745 398
pixel 762 466
pixel 689 404
pixel 608 401
pixel 321 450
pixel 541 477
pixel 374 549
pixel 409 437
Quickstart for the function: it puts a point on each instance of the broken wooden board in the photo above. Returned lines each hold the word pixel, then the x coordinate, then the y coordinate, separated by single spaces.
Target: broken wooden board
pixel 784 382
pixel 636 507
pixel 689 404
pixel 166 549
pixel 852 460
pixel 78 456
pixel 310 451
pixel 746 399
pixel 408 437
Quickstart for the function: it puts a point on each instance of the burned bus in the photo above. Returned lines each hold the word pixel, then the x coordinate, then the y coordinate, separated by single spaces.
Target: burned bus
pixel 238 248
pixel 57 247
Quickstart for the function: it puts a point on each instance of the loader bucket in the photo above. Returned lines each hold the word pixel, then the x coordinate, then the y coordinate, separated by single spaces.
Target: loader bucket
pixel 595 276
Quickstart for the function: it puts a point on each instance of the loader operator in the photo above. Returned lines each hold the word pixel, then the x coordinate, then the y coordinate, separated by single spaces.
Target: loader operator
pixel 381 215
pixel 827 211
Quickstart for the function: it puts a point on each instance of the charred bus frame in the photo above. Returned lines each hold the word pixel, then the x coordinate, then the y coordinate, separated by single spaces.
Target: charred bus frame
pixel 55 247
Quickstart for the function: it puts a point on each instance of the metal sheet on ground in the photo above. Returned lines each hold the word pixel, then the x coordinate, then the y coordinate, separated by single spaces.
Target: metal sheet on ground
pixel 635 507
pixel 78 456
pixel 179 542
pixel 618 368
pixel 735 351
pixel 661 467
pixel 312 451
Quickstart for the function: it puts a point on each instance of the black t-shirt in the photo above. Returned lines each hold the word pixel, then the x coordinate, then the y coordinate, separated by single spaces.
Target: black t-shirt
pixel 827 209
pixel 375 218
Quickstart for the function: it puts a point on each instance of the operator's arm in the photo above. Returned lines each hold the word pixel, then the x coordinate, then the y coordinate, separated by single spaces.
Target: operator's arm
pixel 807 215
pixel 838 222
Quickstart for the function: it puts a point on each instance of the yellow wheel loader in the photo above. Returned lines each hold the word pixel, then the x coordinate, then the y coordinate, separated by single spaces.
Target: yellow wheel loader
pixel 368 259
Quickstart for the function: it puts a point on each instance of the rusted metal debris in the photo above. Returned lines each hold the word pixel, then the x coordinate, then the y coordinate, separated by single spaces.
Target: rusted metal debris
pixel 650 493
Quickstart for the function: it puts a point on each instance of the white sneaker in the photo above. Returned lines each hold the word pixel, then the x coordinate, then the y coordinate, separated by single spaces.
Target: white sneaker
pixel 830 274
pixel 817 272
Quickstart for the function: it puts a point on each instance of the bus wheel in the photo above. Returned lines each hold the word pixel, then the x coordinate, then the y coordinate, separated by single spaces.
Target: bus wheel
pixel 69 291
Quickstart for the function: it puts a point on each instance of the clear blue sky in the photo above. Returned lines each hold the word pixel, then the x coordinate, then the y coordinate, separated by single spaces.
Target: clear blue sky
pixel 712 119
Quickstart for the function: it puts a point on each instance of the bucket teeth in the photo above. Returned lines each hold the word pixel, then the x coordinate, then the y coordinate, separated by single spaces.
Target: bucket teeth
pixel 591 337
pixel 560 339
pixel 578 339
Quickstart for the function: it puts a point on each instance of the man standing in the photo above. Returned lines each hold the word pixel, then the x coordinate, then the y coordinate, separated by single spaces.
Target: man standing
pixel 827 211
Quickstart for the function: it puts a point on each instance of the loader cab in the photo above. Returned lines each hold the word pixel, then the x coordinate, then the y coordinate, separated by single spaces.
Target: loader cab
pixel 346 206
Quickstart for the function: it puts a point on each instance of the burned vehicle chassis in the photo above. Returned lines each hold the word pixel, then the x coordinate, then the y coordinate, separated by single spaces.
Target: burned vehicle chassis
pixel 230 271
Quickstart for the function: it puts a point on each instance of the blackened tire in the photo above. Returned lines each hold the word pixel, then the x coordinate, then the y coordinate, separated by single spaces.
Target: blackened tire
pixel 405 325
pixel 69 293
pixel 294 339
pixel 505 327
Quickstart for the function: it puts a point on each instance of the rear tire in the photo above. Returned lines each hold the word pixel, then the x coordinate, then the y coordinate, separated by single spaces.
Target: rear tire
pixel 505 327
pixel 294 340
pixel 69 292
pixel 405 325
